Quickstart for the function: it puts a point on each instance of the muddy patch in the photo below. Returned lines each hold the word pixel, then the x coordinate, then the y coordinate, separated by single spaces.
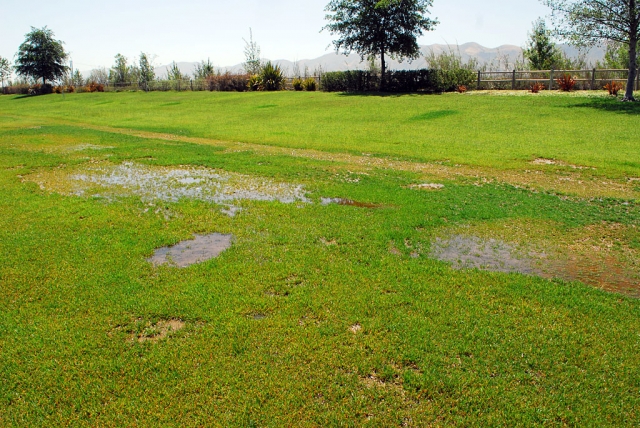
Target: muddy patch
pixel 469 252
pixel 158 331
pixel 187 253
pixel 170 184
pixel 347 202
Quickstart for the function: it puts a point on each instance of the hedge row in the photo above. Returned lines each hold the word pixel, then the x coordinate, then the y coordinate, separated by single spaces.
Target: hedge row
pixel 433 81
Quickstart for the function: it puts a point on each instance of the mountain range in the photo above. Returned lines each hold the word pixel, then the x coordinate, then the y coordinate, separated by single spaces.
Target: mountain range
pixel 502 57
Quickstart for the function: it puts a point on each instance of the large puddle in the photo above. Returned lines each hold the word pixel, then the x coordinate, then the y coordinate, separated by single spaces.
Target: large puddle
pixel 198 250
pixel 604 271
pixel 168 184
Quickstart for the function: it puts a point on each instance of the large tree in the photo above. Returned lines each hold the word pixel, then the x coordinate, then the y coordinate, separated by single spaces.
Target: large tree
pixel 590 22
pixel 41 56
pixel 147 73
pixel 379 27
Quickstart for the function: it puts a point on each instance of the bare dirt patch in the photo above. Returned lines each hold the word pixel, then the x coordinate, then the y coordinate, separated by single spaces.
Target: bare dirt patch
pixel 347 202
pixel 158 331
pixel 427 186
pixel 187 253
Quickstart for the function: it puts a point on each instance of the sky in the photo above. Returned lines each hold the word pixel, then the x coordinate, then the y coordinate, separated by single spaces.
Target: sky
pixel 193 30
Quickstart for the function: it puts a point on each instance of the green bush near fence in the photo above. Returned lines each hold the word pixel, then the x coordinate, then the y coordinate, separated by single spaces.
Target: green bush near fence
pixel 432 81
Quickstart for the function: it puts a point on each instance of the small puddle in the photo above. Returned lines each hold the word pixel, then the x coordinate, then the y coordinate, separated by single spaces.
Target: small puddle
pixel 198 250
pixel 348 202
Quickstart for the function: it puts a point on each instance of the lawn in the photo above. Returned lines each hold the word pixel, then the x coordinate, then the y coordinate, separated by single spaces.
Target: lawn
pixel 444 260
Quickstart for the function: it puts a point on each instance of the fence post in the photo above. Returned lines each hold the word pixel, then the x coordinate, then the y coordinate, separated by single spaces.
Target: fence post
pixel 551 79
pixel 593 80
pixel 513 81
pixel 478 80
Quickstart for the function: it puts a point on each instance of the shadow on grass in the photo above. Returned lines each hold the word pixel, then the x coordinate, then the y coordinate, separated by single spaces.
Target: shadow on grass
pixel 612 105
pixel 386 94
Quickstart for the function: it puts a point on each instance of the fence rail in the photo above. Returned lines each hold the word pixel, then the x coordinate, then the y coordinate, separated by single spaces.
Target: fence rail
pixel 521 79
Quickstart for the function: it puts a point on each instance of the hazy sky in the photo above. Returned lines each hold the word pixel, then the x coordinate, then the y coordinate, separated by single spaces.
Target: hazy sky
pixel 192 30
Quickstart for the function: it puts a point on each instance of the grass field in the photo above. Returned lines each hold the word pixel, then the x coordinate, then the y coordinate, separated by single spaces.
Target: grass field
pixel 320 313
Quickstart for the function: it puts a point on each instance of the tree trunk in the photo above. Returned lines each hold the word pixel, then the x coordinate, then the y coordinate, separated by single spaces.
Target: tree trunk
pixel 633 54
pixel 633 65
pixel 382 70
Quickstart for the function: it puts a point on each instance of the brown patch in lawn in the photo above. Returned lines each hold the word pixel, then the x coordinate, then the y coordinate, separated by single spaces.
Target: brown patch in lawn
pixel 355 328
pixel 158 331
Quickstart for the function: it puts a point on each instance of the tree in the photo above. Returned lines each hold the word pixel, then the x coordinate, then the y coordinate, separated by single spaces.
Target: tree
pixel 41 56
pixel 591 22
pixel 147 73
pixel 174 73
pixel 379 27
pixel 5 69
pixel 253 63
pixel 119 73
pixel 204 70
pixel 540 50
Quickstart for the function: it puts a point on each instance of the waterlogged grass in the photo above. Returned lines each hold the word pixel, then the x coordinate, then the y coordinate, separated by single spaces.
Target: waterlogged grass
pixel 318 314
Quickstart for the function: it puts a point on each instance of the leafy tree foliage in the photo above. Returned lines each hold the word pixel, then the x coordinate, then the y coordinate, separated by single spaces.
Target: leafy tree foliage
pixel 174 73
pixel 119 73
pixel 40 56
pixel 379 27
pixel 590 22
pixel 5 69
pixel 541 52
pixel 253 63
pixel 146 73
pixel 204 70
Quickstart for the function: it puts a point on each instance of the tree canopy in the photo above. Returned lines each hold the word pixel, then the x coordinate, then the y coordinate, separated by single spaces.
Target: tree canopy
pixel 379 27
pixel 41 56
pixel 591 22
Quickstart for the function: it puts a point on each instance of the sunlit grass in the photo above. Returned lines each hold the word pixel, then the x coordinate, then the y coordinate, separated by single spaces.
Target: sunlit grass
pixel 318 315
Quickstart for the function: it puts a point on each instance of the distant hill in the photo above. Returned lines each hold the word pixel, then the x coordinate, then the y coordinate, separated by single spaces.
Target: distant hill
pixel 338 62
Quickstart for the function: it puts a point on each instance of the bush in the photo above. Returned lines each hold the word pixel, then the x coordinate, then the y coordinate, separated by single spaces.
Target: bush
pixel 614 88
pixel 309 84
pixel 227 82
pixel 71 89
pixel 432 81
pixel 298 84
pixel 271 77
pixel 95 87
pixel 39 89
pixel 566 83
pixel 536 87
pixel 254 83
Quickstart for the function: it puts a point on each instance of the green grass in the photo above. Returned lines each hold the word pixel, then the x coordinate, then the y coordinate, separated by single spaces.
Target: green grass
pixel 436 345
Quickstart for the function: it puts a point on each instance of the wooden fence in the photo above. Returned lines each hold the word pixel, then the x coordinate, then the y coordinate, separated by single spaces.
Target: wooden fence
pixel 585 79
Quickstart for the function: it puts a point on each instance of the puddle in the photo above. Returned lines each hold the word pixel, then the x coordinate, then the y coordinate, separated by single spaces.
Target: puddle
pixel 168 184
pixel 588 256
pixel 348 202
pixel 427 186
pixel 198 250
pixel 469 252
pixel 158 331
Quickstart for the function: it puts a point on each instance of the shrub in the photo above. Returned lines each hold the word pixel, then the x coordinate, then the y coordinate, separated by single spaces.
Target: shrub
pixel 613 87
pixel 95 87
pixel 298 84
pixel 462 89
pixel 227 82
pixel 536 87
pixel 71 89
pixel 309 84
pixel 433 81
pixel 39 89
pixel 57 89
pixel 566 82
pixel 271 77
pixel 254 83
